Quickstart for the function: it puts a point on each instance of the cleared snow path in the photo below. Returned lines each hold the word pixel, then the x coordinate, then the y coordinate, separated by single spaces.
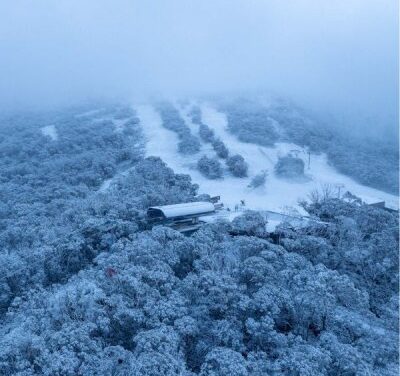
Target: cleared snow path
pixel 119 126
pixel 107 183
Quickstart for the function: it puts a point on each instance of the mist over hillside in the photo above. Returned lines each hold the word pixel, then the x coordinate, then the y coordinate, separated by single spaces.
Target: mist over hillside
pixel 337 58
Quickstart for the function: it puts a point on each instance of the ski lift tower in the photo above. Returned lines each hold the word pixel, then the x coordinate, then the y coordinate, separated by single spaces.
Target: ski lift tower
pixel 296 153
pixel 339 187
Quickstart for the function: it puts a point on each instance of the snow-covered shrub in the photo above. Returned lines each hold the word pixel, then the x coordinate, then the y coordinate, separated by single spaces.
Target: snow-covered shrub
pixel 220 148
pixel 171 119
pixel 132 122
pixel 250 223
pixel 210 167
pixel 188 144
pixel 206 134
pixel 124 113
pixel 223 361
pixel 195 114
pixel 289 167
pixel 258 180
pixel 251 123
pixel 237 166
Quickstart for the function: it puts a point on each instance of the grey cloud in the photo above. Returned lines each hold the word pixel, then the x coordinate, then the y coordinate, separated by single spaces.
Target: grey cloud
pixel 338 56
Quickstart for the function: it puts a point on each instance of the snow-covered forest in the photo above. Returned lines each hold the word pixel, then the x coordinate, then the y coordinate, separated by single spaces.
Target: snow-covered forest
pixel 199 188
pixel 88 287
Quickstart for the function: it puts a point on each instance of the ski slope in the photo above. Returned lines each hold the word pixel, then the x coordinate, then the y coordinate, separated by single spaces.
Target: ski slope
pixel 278 195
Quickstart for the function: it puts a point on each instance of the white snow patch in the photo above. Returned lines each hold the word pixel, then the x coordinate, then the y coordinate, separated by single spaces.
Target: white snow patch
pixel 160 142
pixel 106 184
pixel 50 131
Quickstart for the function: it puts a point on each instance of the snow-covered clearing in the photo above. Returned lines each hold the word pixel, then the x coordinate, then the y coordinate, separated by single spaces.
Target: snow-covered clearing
pixel 50 131
pixel 278 195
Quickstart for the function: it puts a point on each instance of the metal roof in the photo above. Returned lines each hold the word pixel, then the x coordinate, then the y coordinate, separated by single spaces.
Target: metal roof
pixel 190 208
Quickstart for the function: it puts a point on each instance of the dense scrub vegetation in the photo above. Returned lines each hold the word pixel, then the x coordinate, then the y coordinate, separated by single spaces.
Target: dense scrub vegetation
pixel 213 304
pixel 289 166
pixel 370 161
pixel 220 148
pixel 259 179
pixel 206 134
pixel 53 221
pixel 237 166
pixel 87 288
pixel 210 167
pixel 251 123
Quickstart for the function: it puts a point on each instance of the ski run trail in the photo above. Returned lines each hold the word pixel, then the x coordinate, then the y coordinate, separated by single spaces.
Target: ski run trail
pixel 278 195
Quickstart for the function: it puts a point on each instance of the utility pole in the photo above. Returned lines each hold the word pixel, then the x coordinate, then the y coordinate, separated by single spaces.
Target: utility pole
pixel 339 187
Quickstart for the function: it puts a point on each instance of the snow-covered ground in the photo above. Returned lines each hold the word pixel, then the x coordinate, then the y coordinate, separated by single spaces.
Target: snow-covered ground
pixel 278 195
pixel 50 131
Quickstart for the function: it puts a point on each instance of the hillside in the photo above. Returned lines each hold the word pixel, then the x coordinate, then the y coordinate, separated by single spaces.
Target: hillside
pixel 278 194
pixel 88 287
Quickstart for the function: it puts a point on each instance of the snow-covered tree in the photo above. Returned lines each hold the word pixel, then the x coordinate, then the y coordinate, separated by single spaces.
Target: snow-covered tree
pixel 237 166
pixel 259 180
pixel 210 167
pixel 289 167
pixel 206 134
pixel 220 148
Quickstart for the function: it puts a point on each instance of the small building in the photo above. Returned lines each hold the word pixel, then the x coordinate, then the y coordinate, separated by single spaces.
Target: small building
pixel 182 217
pixel 382 205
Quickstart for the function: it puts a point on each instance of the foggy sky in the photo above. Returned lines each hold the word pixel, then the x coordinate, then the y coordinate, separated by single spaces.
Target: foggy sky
pixel 340 56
